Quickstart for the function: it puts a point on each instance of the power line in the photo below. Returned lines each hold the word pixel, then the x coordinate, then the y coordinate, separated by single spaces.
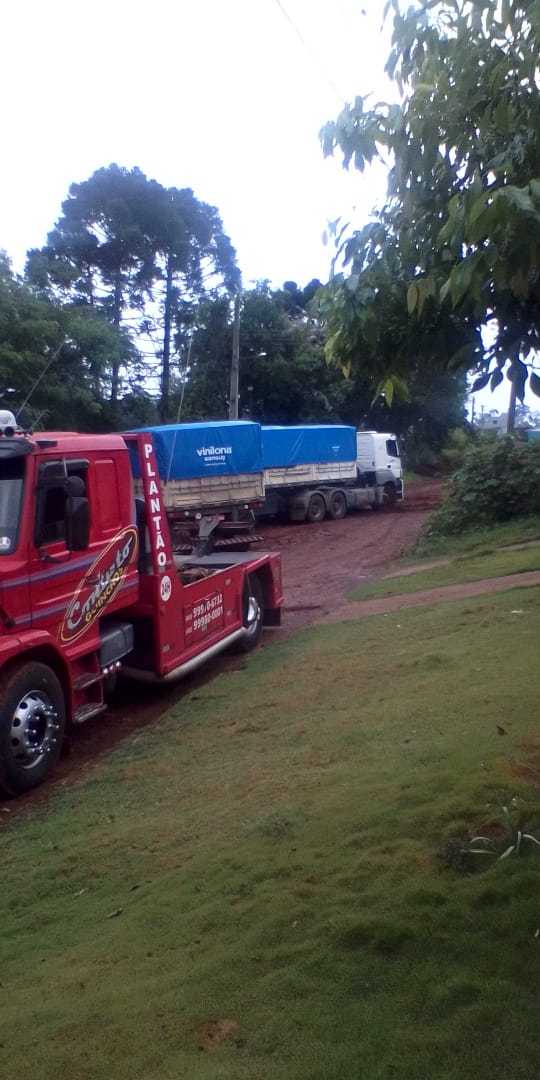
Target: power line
pixel 310 52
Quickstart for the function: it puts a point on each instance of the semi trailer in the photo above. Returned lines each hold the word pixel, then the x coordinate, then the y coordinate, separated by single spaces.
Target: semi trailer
pixel 314 471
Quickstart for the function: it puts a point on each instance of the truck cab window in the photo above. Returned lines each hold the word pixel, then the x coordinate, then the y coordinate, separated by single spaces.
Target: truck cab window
pixel 11 491
pixel 53 522
pixel 52 513
pixel 392 448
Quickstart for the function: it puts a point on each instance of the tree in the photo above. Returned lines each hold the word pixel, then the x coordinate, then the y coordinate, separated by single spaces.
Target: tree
pixel 98 254
pixel 52 357
pixel 463 205
pixel 141 254
pixel 191 256
pixel 284 377
pixel 368 324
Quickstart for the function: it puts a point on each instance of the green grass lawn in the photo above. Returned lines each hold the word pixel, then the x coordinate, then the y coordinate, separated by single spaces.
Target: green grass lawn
pixel 270 881
pixel 515 531
pixel 460 568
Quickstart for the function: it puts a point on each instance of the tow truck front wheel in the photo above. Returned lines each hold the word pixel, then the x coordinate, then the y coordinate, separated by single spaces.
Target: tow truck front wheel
pixel 32 725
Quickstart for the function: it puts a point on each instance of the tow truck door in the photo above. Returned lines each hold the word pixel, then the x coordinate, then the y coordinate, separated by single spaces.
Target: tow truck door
pixel 55 572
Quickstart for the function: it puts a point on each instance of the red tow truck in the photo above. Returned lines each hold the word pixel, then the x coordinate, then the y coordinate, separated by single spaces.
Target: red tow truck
pixel 90 584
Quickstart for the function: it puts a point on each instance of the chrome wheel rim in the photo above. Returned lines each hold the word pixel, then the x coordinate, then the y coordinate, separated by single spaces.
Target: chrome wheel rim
pixel 253 614
pixel 34 729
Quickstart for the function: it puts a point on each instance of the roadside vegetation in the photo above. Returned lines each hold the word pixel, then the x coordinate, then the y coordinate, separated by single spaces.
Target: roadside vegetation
pixel 477 540
pixel 458 570
pixel 487 526
pixel 288 889
pixel 497 480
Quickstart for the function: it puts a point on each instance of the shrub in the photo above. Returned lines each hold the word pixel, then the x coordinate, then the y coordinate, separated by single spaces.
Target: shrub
pixel 497 480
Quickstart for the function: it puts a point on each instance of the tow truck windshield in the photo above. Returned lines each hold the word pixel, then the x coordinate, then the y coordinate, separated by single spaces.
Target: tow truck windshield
pixel 11 491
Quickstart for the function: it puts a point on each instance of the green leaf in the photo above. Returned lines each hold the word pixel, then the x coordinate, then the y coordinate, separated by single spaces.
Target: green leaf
pixel 412 298
pixel 479 383
pixel 534 383
pixel 517 374
pixel 445 289
pixel 460 279
pixel 496 379
pixel 401 390
pixel 388 390
pixel 517 198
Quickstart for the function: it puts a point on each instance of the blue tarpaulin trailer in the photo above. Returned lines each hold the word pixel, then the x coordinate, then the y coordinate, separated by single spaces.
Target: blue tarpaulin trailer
pixel 317 444
pixel 214 466
pixel 313 471
pixel 217 448
pixel 234 469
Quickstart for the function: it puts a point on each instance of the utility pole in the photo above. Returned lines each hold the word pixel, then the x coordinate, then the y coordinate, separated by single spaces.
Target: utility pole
pixel 235 362
pixel 511 418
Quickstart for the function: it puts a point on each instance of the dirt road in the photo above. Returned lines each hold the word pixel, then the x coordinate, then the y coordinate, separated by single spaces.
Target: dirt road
pixel 322 562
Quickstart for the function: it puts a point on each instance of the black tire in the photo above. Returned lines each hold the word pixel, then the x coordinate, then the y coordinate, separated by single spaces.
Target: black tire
pixel 316 509
pixel 389 497
pixel 337 507
pixel 252 613
pixel 32 726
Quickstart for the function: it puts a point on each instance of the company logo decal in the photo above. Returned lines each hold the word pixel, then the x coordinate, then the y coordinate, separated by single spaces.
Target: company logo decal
pixel 212 455
pixel 100 583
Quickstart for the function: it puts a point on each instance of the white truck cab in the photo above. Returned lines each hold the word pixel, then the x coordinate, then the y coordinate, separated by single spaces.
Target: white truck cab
pixel 378 457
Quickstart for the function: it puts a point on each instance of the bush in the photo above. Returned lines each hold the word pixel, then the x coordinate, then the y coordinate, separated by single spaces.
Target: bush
pixel 457 445
pixel 497 480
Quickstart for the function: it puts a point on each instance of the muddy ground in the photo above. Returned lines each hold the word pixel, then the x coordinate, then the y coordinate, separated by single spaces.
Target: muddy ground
pixel 320 564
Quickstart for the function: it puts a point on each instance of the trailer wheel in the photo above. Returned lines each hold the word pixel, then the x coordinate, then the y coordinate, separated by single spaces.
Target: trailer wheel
pixel 338 506
pixel 32 725
pixel 316 509
pixel 252 609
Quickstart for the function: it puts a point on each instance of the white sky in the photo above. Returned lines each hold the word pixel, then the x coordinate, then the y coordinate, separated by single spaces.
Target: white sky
pixel 218 95
pixel 224 96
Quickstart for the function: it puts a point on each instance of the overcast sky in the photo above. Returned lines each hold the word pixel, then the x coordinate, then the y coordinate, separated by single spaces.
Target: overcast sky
pixel 224 96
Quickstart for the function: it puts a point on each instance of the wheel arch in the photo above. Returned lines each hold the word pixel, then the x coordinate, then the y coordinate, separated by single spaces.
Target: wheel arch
pixel 389 494
pixel 44 654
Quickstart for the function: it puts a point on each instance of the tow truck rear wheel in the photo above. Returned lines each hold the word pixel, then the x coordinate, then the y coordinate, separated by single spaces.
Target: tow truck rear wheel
pixel 252 608
pixel 32 725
